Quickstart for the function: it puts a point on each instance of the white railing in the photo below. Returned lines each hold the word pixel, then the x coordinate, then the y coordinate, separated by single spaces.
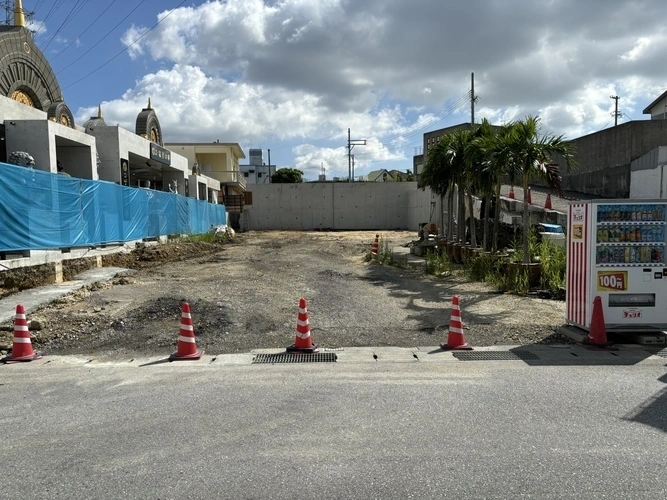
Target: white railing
pixel 233 177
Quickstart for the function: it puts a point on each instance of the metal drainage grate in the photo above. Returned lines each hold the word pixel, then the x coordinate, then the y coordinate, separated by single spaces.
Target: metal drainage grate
pixel 285 357
pixel 662 352
pixel 494 355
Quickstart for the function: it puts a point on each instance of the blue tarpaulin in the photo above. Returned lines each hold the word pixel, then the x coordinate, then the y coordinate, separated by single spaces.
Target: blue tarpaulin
pixel 40 210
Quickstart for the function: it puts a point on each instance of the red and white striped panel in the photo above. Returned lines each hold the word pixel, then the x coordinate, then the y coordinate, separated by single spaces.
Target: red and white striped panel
pixel 578 259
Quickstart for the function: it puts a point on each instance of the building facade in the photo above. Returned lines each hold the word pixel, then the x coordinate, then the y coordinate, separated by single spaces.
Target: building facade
pixel 257 172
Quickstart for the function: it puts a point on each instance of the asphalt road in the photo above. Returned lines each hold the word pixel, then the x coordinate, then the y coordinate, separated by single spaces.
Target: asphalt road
pixel 588 426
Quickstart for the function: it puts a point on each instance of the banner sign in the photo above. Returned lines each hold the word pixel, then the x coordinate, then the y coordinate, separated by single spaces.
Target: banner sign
pixel 160 154
pixel 612 281
pixel 124 172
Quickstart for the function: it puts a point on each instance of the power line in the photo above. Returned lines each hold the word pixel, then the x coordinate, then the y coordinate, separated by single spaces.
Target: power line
pixel 71 15
pixel 54 7
pixel 104 37
pixel 126 48
pixel 84 31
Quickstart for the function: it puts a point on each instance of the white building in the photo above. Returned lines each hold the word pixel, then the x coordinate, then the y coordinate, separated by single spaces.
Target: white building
pixel 257 172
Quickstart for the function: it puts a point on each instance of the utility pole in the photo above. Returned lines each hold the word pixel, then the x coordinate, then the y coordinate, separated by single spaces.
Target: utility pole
pixel 616 113
pixel 472 99
pixel 269 166
pixel 350 144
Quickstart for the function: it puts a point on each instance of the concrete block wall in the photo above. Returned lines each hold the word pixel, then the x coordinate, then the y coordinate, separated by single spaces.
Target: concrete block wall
pixel 604 157
pixel 648 176
pixel 333 205
pixel 424 206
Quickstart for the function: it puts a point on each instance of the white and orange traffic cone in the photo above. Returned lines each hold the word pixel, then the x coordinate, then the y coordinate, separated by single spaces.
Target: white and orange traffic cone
pixel 375 246
pixel 303 342
pixel 511 195
pixel 455 339
pixel 22 346
pixel 547 204
pixel 187 348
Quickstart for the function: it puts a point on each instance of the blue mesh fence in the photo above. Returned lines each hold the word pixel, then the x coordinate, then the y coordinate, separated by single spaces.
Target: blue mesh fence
pixel 40 210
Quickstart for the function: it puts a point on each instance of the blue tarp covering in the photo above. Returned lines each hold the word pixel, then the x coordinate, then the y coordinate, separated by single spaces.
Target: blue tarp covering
pixel 40 210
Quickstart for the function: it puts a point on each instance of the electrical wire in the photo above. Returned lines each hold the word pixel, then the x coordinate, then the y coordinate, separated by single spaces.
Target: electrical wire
pixel 126 48
pixel 101 39
pixel 54 8
pixel 84 31
pixel 71 15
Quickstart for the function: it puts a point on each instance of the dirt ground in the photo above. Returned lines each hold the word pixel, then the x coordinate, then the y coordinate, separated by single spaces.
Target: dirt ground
pixel 244 295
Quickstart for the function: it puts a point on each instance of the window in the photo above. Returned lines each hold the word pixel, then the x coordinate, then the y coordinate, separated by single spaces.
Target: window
pixel 259 175
pixel 245 174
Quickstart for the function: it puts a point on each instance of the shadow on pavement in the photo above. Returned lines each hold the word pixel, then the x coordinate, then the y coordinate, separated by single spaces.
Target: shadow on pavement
pixel 653 411
pixel 157 362
pixel 440 291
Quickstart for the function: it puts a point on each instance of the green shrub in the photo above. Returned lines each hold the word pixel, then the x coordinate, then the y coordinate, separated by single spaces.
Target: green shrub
pixel 437 264
pixel 553 263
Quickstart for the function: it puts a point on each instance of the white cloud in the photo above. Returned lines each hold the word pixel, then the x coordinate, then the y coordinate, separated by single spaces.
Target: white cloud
pixel 638 50
pixel 300 70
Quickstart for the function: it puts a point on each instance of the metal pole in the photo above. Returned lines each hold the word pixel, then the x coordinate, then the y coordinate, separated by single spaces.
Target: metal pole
pixel 269 166
pixel 472 98
pixel 349 158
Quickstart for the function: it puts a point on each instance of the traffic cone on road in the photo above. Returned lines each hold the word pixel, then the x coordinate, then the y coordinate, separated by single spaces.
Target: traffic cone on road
pixel 375 245
pixel 303 342
pixel 511 195
pixel 527 197
pixel 455 339
pixel 22 346
pixel 547 204
pixel 187 348
pixel 597 335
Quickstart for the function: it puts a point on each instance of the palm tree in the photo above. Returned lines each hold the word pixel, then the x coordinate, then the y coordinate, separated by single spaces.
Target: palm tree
pixel 463 176
pixel 533 156
pixel 481 177
pixel 496 148
pixel 438 175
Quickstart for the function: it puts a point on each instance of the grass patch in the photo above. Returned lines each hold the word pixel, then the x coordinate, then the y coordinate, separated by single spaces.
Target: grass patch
pixel 437 264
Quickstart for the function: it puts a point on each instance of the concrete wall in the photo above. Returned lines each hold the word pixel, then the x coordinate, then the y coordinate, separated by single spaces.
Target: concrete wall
pixel 108 148
pixel 649 175
pixel 337 205
pixel 604 157
pixel 13 110
pixel 47 142
pixel 424 206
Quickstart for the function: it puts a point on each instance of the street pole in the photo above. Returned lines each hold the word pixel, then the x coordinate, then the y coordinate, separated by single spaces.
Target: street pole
pixel 269 166
pixel 616 113
pixel 350 144
pixel 472 98
pixel 349 157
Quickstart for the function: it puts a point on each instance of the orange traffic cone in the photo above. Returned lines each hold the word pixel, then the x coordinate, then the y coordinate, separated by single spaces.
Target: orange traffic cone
pixel 455 340
pixel 511 195
pixel 527 198
pixel 187 348
pixel 22 346
pixel 547 204
pixel 375 245
pixel 597 335
pixel 303 343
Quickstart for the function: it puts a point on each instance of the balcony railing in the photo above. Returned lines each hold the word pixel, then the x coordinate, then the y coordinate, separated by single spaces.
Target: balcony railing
pixel 233 177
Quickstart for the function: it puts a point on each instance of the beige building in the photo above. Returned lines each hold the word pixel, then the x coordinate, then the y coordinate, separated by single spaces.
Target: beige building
pixel 219 161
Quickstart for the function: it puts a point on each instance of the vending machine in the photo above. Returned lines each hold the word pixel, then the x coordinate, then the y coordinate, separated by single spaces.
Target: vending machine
pixel 616 250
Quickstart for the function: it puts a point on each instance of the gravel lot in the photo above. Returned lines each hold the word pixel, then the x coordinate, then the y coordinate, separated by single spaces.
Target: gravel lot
pixel 245 296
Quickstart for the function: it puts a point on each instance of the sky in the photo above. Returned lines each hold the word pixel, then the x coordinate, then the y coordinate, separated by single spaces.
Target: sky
pixel 293 75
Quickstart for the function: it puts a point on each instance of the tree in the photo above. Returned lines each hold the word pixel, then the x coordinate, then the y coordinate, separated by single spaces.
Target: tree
pixel 287 176
pixel 498 163
pixel 532 155
pixel 438 175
